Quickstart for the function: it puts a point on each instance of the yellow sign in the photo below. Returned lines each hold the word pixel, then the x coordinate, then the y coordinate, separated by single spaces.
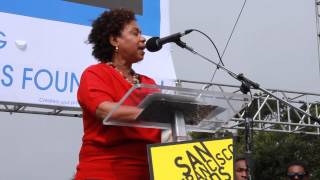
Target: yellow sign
pixel 205 160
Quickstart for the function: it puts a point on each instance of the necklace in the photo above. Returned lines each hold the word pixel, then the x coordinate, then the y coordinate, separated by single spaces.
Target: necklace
pixel 135 76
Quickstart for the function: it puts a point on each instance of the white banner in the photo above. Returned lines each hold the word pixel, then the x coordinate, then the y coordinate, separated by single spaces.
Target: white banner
pixel 42 55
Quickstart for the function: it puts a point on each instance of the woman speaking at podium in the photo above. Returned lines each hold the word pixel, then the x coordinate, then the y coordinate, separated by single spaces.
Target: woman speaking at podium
pixel 114 152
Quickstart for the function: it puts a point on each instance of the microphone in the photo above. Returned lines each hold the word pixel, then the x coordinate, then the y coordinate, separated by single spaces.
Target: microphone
pixel 155 43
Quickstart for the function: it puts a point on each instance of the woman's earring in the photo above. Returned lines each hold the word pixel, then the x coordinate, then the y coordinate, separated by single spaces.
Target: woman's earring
pixel 116 49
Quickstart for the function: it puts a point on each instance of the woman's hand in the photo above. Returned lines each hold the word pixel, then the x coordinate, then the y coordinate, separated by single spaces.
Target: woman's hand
pixel 123 113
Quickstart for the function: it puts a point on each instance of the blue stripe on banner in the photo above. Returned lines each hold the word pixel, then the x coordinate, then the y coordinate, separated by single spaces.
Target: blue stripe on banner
pixel 82 14
pixel 150 20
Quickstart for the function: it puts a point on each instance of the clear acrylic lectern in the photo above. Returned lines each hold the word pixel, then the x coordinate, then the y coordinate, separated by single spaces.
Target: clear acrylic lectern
pixel 182 109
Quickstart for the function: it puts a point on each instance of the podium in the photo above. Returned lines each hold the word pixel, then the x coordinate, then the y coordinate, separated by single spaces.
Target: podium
pixel 182 109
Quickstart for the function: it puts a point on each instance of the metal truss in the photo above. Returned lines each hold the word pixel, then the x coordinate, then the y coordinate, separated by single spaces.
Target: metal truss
pixel 14 107
pixel 267 113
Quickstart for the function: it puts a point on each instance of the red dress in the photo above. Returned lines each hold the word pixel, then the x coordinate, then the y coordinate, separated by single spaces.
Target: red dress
pixel 111 152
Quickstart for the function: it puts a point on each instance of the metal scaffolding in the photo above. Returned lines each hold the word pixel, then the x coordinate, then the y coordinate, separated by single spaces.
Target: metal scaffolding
pixel 15 107
pixel 268 114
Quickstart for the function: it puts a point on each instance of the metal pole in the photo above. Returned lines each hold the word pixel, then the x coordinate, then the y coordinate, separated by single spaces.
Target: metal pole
pixel 179 132
pixel 317 5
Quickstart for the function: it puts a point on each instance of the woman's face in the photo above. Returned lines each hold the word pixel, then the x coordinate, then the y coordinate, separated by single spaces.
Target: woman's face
pixel 131 43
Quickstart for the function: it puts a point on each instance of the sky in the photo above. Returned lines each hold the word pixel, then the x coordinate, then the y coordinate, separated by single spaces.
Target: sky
pixel 274 44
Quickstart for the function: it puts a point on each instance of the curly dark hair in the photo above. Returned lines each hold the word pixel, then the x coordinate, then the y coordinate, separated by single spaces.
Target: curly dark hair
pixel 109 23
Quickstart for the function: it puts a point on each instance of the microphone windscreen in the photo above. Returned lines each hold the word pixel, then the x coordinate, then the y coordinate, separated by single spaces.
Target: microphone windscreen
pixel 152 44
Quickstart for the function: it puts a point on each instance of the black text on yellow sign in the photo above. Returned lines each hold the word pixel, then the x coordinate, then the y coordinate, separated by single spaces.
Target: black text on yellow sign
pixel 212 159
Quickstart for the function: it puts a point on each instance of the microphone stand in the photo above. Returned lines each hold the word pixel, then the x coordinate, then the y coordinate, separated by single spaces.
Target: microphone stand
pixel 246 84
